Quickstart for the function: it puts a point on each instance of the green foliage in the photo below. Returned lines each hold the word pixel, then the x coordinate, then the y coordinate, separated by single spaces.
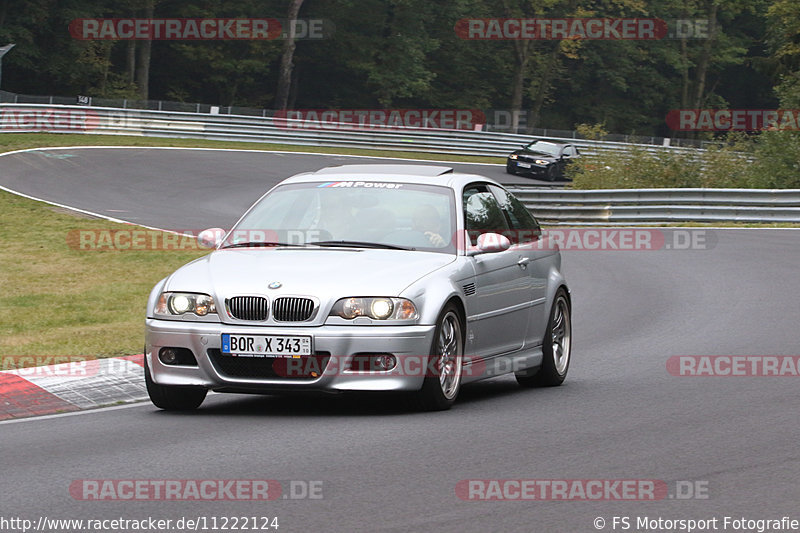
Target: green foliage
pixel 595 132
pixel 777 161
pixel 638 168
pixel 767 160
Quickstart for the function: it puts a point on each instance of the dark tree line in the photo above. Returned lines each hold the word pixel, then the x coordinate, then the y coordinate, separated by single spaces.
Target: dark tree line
pixel 406 54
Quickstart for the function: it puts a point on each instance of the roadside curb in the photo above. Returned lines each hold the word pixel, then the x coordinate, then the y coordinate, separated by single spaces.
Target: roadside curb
pixel 67 387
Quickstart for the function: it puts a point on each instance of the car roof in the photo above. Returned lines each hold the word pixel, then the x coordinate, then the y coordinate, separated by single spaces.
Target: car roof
pixel 391 173
pixel 549 141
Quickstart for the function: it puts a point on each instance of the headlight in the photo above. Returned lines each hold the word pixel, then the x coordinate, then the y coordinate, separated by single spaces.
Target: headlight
pixel 377 308
pixel 180 303
pixel 542 162
pixel 513 156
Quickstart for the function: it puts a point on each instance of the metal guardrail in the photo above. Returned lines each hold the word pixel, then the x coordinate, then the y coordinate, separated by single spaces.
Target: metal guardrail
pixel 626 206
pixel 112 121
pixel 636 206
pixel 492 116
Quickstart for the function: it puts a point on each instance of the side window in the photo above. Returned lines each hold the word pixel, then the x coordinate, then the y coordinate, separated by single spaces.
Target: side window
pixel 569 151
pixel 482 213
pixel 524 227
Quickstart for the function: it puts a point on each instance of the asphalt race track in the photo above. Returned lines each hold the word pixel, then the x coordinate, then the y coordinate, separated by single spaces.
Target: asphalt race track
pixel 146 185
pixel 620 414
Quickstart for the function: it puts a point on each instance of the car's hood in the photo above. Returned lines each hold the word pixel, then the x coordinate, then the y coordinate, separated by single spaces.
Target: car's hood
pixel 324 273
pixel 541 155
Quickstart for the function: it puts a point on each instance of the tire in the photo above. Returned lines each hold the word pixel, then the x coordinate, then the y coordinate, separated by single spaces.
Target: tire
pixel 440 390
pixel 172 398
pixel 552 172
pixel 556 348
pixel 510 169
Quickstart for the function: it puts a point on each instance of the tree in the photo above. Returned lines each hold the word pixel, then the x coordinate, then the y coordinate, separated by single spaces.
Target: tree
pixel 784 40
pixel 285 72
pixel 145 50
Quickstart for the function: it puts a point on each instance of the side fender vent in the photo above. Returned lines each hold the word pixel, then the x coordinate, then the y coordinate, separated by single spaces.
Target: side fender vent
pixel 469 289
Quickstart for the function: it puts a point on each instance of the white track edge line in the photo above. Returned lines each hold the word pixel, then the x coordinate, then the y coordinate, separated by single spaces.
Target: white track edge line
pixel 120 221
pixel 134 403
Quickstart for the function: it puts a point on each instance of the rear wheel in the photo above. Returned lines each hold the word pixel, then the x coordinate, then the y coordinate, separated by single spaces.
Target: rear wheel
pixel 556 348
pixel 440 389
pixel 173 398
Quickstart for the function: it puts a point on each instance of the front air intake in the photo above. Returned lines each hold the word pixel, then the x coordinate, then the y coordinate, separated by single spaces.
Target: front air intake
pixel 292 309
pixel 255 308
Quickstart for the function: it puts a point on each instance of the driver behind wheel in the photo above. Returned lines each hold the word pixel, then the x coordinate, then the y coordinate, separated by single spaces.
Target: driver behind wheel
pixel 426 219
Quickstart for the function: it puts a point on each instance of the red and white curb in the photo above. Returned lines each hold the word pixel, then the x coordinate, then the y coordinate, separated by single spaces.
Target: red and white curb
pixel 67 387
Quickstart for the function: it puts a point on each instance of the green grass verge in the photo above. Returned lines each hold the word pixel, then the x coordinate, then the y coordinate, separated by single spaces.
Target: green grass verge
pixel 59 300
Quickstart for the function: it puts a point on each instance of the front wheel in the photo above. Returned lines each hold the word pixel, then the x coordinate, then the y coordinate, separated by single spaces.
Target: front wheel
pixel 443 371
pixel 173 398
pixel 510 169
pixel 556 348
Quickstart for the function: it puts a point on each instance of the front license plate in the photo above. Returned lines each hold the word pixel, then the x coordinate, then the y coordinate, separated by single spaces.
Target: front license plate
pixel 266 345
pixel 524 165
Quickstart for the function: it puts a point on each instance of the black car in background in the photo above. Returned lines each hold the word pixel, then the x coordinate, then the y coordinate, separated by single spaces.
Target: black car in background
pixel 542 159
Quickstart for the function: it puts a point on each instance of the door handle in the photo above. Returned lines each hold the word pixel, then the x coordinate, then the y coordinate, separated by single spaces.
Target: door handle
pixel 523 263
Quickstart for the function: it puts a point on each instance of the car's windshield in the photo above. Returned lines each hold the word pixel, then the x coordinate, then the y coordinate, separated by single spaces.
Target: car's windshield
pixel 544 147
pixel 359 213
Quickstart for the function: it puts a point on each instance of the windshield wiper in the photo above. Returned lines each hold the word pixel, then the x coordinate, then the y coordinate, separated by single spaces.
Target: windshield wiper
pixel 259 244
pixel 360 244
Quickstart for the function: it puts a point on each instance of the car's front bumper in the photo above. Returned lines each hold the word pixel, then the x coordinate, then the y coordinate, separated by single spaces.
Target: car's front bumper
pixel 514 164
pixel 409 344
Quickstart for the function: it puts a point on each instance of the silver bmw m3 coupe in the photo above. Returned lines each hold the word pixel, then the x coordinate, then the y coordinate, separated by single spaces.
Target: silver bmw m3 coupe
pixel 404 278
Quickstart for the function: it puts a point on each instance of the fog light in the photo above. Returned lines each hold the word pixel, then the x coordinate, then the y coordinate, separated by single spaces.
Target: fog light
pixel 168 356
pixel 384 362
pixel 173 356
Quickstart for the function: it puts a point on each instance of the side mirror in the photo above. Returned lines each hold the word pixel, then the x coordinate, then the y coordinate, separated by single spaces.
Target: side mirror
pixel 211 238
pixel 489 243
